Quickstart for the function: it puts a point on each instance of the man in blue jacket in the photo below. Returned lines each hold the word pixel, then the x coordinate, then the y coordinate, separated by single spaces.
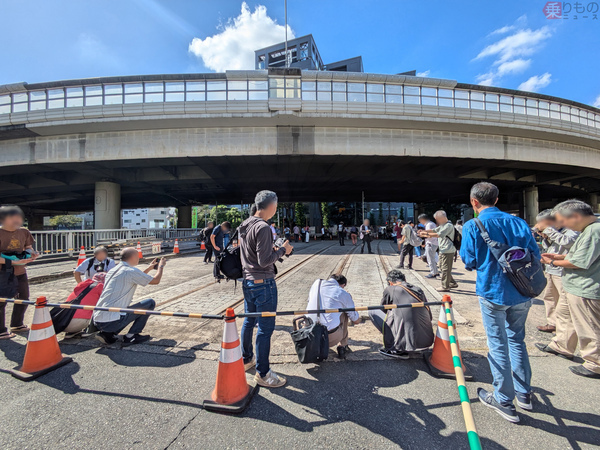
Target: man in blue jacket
pixel 503 309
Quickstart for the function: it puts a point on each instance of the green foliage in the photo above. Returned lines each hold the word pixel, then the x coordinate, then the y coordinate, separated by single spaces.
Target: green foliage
pixel 453 210
pixel 300 214
pixel 401 214
pixel 221 213
pixel 372 219
pixel 66 221
pixel 325 214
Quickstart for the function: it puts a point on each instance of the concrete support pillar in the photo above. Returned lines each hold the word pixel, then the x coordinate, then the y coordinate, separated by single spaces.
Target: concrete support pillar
pixel 35 222
pixel 594 202
pixel 184 217
pixel 107 206
pixel 531 204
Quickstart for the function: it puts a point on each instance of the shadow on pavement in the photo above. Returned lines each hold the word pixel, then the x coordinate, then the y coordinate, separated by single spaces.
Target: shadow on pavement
pixel 366 402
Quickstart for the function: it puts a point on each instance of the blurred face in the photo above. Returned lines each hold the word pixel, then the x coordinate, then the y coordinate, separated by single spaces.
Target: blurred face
pixel 271 210
pixel 101 256
pixel 13 222
pixel 575 222
pixel 423 221
pixel 440 220
pixel 366 222
pixel 546 223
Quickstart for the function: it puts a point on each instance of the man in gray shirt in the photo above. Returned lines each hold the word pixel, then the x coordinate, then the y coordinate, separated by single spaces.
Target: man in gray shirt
pixel 258 256
pixel 445 233
pixel 119 288
pixel 558 240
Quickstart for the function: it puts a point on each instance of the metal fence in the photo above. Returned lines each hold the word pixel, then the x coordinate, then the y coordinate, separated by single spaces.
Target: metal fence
pixel 69 242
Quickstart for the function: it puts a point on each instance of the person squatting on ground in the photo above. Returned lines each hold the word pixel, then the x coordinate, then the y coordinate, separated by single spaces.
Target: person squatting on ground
pixel 366 236
pixel 503 309
pixel 16 251
pixel 431 246
pixel 578 318
pixel 444 233
pixel 100 262
pixel 89 290
pixel 206 237
pixel 119 288
pixel 404 329
pixel 557 240
pixel 260 290
pixel 334 296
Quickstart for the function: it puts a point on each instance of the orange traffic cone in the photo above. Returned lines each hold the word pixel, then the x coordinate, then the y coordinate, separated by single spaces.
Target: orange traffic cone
pixel 440 359
pixel 176 247
pixel 81 256
pixel 202 246
pixel 42 354
pixel 232 393
pixel 139 250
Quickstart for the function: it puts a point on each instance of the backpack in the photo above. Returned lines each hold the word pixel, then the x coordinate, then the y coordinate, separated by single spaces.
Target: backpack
pixel 61 317
pixel 91 263
pixel 522 268
pixel 229 262
pixel 457 241
pixel 414 240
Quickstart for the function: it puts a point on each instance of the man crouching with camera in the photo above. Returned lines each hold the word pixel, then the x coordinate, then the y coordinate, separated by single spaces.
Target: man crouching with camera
pixel 258 256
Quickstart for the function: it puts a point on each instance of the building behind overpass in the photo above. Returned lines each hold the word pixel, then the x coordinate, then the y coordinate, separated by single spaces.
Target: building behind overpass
pixel 310 135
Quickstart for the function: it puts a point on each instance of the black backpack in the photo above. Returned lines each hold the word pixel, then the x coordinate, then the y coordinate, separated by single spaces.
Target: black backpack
pixel 91 263
pixel 457 241
pixel 229 262
pixel 522 268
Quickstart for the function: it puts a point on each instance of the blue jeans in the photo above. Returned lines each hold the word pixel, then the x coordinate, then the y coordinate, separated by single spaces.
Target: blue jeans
pixel 139 322
pixel 507 353
pixel 259 297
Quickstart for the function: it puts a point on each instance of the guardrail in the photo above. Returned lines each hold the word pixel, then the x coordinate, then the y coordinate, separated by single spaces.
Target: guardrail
pixel 70 241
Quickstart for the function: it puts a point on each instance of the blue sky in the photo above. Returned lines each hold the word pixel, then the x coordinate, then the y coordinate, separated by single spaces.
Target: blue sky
pixel 508 44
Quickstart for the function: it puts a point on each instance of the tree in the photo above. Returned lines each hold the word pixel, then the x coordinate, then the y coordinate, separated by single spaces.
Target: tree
pixel 203 212
pixel 300 214
pixel 380 217
pixel 401 213
pixel 234 217
pixel 325 214
pixel 66 221
pixel 372 219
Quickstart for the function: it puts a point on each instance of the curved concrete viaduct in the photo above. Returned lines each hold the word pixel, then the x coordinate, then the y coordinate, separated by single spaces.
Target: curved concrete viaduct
pixel 182 139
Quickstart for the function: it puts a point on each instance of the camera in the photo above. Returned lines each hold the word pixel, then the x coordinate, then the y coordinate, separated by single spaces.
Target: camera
pixel 279 244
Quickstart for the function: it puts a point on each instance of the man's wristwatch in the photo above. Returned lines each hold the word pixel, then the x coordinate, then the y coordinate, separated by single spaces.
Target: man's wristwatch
pixel 552 263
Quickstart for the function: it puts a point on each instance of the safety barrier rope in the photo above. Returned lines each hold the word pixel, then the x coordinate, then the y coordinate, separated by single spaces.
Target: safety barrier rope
pixel 474 442
pixel 141 312
pixel 338 310
pixel 145 312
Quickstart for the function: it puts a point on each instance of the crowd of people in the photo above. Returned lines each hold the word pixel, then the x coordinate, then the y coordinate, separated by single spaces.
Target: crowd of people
pixel 569 237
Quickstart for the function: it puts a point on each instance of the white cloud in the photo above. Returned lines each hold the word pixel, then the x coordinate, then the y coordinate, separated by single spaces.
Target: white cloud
pixel 424 74
pixel 511 51
pixel 536 83
pixel 233 47
pixel 597 102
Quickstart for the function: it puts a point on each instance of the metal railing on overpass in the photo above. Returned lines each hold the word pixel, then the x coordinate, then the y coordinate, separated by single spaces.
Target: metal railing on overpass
pixel 309 87
pixel 70 241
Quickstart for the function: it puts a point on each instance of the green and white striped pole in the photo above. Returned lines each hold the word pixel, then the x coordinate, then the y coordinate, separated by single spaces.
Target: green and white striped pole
pixel 474 442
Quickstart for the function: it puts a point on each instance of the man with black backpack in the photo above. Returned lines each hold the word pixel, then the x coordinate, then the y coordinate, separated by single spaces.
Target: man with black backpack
pixel 98 263
pixel 258 255
pixel 205 235
pixel 504 306
pixel 446 235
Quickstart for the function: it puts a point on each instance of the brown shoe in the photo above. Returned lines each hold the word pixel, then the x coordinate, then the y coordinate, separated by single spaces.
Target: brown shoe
pixel 547 328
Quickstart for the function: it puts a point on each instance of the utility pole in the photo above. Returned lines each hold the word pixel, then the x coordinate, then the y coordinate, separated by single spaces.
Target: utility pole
pixel 286 35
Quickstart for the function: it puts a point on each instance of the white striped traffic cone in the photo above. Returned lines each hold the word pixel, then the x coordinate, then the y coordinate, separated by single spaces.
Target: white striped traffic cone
pixel 232 393
pixel 42 354
pixel 139 250
pixel 81 256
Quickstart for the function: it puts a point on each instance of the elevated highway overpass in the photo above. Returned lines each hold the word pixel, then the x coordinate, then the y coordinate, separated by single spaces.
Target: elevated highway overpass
pixel 107 143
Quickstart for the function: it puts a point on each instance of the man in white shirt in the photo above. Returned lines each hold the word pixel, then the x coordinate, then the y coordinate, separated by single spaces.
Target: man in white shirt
pixel 119 288
pixel 100 262
pixel 333 296
pixel 431 246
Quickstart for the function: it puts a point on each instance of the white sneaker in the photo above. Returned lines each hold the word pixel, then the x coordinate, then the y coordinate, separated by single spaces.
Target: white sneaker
pixel 270 380
pixel 250 364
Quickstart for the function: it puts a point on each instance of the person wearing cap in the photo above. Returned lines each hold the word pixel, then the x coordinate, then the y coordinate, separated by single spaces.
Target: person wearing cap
pixel 100 262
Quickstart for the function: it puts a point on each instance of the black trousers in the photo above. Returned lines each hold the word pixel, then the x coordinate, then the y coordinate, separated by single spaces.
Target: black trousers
pixel 366 240
pixel 18 311
pixel 341 236
pixel 407 249
pixel 209 253
pixel 216 271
